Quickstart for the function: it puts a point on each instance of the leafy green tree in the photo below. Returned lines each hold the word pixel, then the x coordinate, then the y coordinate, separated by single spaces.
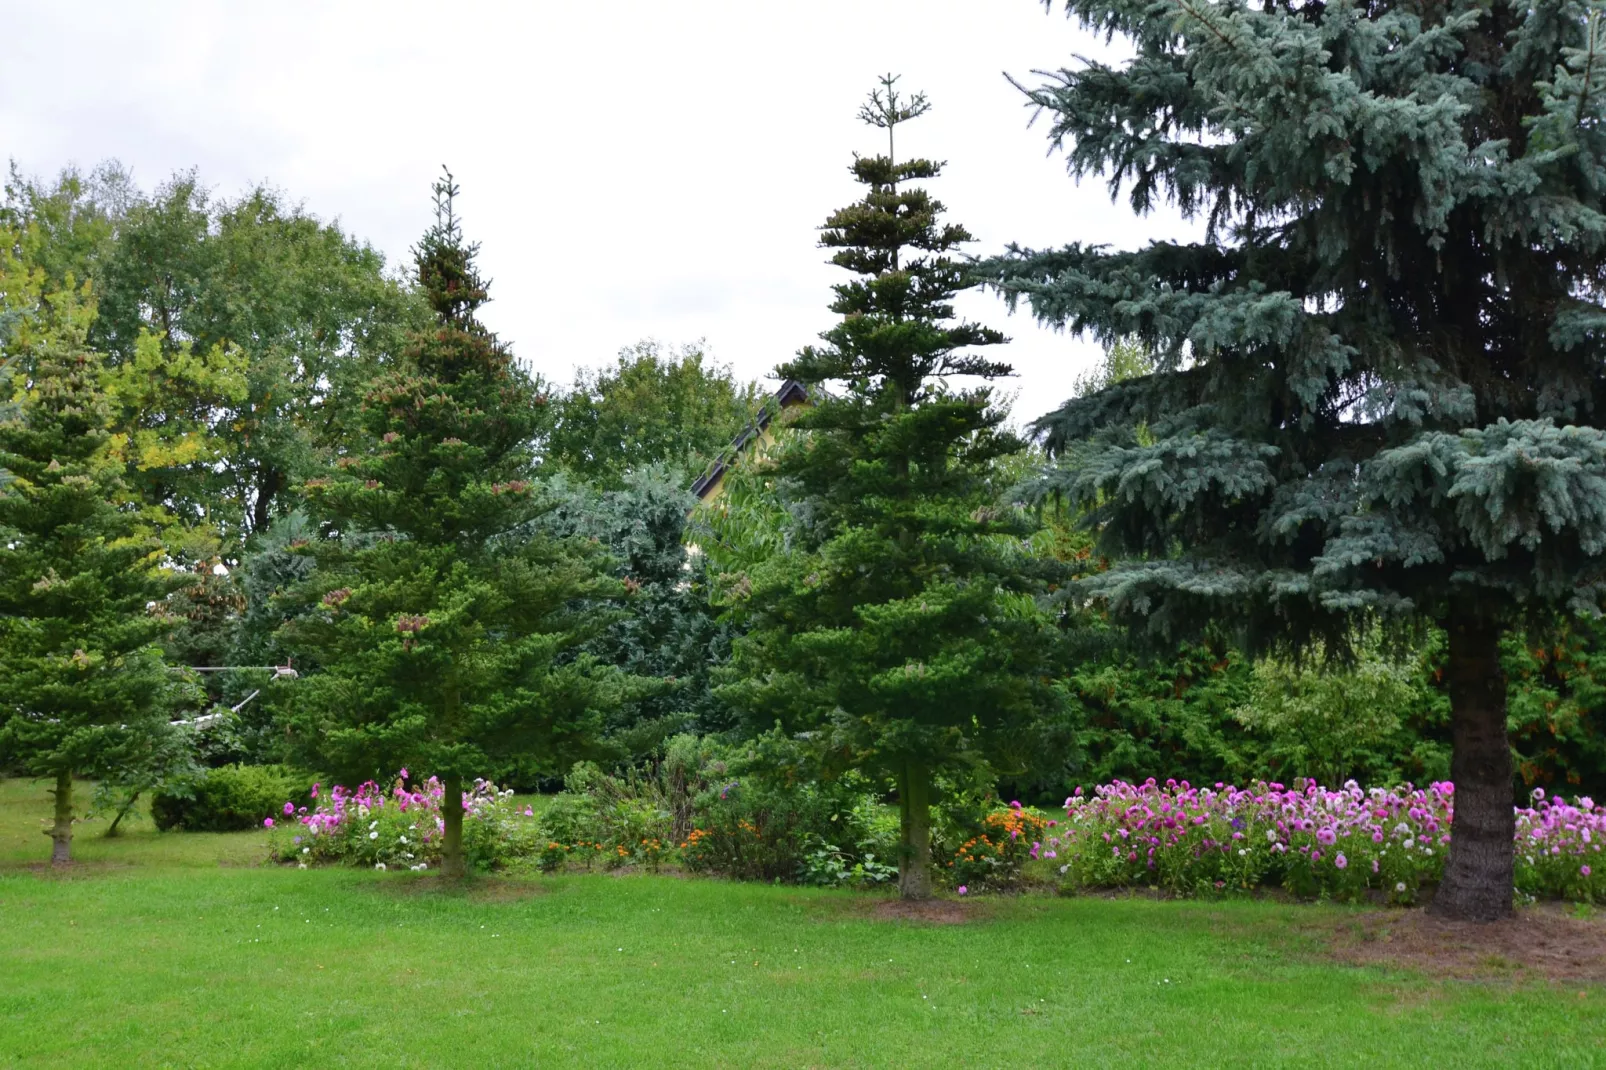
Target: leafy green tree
pixel 86 690
pixel 901 626
pixel 1379 363
pixel 241 334
pixel 651 408
pixel 447 623
pixel 67 228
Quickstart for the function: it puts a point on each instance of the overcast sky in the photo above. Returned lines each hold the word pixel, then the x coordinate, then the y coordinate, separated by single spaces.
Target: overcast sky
pixel 632 170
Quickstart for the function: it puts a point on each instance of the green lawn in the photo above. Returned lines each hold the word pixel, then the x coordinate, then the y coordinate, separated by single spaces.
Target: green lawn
pixel 179 950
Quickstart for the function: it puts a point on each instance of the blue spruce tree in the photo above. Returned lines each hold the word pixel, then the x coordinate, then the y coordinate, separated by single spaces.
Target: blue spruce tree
pixel 1381 377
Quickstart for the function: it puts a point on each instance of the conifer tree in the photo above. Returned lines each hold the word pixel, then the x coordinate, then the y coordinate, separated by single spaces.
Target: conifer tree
pixel 446 623
pixel 900 629
pixel 1380 389
pixel 84 689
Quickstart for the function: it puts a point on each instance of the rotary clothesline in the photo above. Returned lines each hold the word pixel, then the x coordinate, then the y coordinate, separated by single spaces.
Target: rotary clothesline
pixel 280 672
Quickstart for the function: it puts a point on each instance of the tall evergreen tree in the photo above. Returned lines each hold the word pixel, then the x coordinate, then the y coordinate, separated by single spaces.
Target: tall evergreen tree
pixel 1381 372
pixel 447 624
pixel 900 627
pixel 83 685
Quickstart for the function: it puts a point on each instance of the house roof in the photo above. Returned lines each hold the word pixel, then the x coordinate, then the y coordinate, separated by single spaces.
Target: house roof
pixel 788 394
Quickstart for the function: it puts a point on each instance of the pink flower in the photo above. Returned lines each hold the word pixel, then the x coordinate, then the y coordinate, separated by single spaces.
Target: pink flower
pixel 289 808
pixel 963 889
pixel 404 772
pixel 1584 870
pixel 267 822
pixel 1340 861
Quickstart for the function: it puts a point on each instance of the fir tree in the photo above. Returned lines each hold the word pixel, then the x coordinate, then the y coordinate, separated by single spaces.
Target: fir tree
pixel 84 689
pixel 1380 367
pixel 900 628
pixel 446 623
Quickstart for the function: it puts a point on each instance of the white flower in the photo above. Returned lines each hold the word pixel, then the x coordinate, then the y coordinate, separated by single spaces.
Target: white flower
pixel 373 835
pixel 379 865
pixel 301 865
pixel 306 850
pixel 1271 835
pixel 1400 887
pixel 374 823
pixel 1242 851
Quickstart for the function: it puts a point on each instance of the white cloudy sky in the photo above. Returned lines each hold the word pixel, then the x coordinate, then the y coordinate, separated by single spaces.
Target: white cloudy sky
pixel 631 169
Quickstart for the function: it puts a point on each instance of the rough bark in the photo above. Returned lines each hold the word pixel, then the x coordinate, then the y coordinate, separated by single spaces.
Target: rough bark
pixel 914 856
pixel 452 862
pixel 1477 883
pixel 61 830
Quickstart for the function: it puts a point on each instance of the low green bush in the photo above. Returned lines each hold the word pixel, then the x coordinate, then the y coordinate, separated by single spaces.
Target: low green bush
pixel 228 798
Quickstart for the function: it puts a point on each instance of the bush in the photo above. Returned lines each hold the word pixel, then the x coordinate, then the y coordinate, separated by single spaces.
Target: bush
pixel 995 856
pixel 228 798
pixel 762 828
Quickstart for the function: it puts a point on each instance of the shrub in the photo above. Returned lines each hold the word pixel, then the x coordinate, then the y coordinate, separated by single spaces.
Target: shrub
pixel 761 828
pixel 996 855
pixel 228 798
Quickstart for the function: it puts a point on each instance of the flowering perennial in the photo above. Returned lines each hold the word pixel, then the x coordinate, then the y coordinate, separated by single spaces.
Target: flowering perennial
pixel 1312 840
pixel 402 827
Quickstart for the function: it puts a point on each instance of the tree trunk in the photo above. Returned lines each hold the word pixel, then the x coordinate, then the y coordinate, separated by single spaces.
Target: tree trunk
pixel 128 804
pixel 269 483
pixel 1477 883
pixel 452 864
pixel 914 856
pixel 61 831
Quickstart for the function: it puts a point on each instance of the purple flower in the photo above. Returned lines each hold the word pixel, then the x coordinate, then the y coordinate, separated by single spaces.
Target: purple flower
pixel 267 822
pixel 1584 870
pixel 289 808
pixel 1340 861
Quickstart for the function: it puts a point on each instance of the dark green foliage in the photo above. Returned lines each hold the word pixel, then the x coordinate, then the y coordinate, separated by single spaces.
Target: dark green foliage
pixel 899 627
pixel 667 629
pixel 1558 706
pixel 229 798
pixel 84 683
pixel 1379 375
pixel 445 623
pixel 650 409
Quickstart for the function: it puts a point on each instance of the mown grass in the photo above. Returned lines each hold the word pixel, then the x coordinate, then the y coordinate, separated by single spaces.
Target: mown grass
pixel 153 953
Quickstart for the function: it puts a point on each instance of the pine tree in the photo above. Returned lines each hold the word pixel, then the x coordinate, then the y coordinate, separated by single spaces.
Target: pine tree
pixel 1380 376
pixel 84 689
pixel 900 629
pixel 446 623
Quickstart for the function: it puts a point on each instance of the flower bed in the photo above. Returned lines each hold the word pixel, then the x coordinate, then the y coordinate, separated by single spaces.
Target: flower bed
pixel 1313 841
pixel 401 828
